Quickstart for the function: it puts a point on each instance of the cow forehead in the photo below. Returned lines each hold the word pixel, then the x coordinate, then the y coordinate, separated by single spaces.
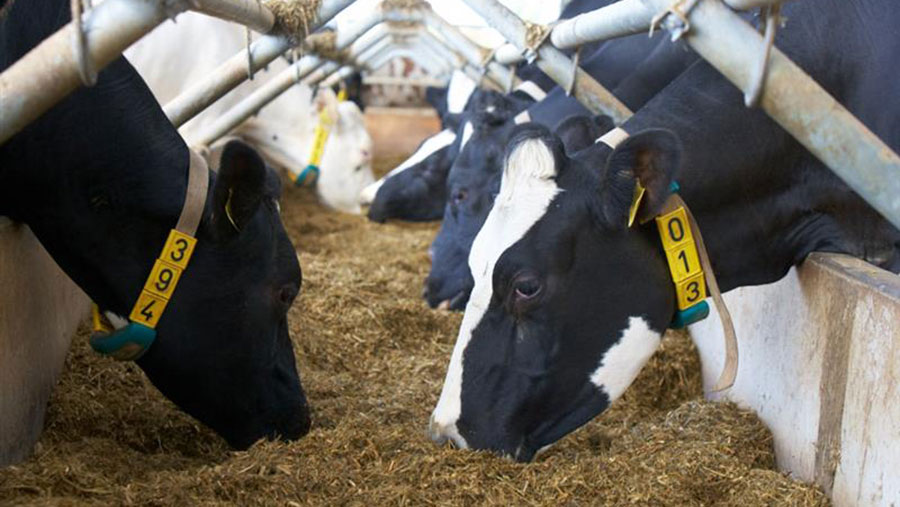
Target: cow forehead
pixel 526 191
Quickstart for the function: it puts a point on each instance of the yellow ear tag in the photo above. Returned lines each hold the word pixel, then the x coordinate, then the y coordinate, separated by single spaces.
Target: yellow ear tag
pixel 342 94
pixel 635 202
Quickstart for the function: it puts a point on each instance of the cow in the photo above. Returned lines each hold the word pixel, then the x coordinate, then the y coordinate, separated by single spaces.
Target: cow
pixel 475 176
pixel 416 190
pixel 283 131
pixel 570 301
pixel 101 179
pixel 417 183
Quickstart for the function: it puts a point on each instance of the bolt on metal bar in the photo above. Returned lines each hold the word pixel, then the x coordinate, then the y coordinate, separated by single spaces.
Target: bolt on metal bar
pixel 799 104
pixel 558 66
pixel 233 71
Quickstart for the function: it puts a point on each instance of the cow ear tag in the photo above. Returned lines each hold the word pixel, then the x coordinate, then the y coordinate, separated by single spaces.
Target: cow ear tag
pixel 639 192
pixel 125 344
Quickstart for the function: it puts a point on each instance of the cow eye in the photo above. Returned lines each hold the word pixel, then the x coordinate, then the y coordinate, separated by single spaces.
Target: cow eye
pixel 526 290
pixel 460 196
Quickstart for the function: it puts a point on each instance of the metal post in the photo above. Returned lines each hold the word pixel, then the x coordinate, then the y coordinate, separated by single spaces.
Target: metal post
pixel 586 89
pixel 508 54
pixel 798 104
pixel 472 52
pixel 621 18
pixel 233 71
pixel 341 74
pixel 252 14
pixel 259 98
pixel 49 72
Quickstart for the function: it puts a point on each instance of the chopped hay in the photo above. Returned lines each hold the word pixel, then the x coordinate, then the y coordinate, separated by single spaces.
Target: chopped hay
pixel 372 357
pixel 293 17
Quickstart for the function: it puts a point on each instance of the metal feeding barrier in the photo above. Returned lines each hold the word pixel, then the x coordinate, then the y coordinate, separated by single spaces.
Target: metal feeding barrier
pixel 717 33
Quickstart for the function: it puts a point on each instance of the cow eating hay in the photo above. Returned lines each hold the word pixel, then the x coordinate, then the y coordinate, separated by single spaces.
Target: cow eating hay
pixel 372 356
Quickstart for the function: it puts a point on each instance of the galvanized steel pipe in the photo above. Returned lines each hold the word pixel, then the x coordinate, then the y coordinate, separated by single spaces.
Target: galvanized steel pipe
pixel 233 71
pixel 622 18
pixel 508 54
pixel 798 104
pixel 586 89
pixel 259 98
pixel 249 13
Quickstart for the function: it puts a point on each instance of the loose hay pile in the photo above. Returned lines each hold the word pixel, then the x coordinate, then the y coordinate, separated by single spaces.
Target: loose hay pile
pixel 372 359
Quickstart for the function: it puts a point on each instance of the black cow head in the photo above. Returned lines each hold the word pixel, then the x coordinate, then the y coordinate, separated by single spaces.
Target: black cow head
pixel 568 302
pixel 473 182
pixel 417 189
pixel 223 352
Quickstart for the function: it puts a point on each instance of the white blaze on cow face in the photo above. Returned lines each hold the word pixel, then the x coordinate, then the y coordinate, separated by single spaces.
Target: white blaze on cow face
pixel 428 147
pixel 623 361
pixel 458 91
pixel 526 191
pixel 468 130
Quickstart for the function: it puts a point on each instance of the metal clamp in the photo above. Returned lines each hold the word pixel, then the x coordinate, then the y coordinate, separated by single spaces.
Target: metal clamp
pixel 772 17
pixel 680 9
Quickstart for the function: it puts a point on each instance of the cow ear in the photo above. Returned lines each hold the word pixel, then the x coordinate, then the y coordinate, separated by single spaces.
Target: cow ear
pixel 578 132
pixel 651 158
pixel 603 124
pixel 436 98
pixel 451 120
pixel 240 188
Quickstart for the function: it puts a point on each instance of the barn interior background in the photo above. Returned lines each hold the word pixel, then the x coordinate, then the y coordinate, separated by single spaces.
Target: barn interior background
pixel 827 392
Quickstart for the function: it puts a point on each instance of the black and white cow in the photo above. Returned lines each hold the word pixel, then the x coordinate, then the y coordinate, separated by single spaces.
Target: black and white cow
pixel 415 190
pixel 101 179
pixel 475 176
pixel 569 302
pixel 473 183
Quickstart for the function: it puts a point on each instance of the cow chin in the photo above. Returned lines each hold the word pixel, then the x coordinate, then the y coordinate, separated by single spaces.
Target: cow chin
pixel 241 404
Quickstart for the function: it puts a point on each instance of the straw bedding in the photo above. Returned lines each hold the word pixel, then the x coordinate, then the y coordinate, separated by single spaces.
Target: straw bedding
pixel 372 359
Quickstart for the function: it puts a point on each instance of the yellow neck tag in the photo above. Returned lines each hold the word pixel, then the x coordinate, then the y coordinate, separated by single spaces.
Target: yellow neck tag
pixel 635 201
pixel 320 137
pixel 163 279
pixel 682 257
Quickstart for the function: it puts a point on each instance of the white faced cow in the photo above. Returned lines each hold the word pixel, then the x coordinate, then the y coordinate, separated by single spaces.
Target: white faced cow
pixel 569 301
pixel 283 131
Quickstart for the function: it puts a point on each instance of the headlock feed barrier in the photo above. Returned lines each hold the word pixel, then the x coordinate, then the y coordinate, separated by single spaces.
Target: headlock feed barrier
pixel 57 66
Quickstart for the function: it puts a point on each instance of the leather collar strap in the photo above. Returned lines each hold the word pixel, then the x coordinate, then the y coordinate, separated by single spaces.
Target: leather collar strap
pixel 132 340
pixel 672 204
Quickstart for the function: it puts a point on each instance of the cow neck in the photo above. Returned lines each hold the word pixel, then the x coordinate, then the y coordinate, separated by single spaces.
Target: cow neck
pixel 130 341
pixel 690 245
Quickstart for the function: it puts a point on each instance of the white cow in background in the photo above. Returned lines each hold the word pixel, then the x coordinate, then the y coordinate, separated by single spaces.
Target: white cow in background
pixel 176 55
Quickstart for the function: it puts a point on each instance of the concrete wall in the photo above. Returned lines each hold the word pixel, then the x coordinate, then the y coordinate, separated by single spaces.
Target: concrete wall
pixel 40 308
pixel 820 364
